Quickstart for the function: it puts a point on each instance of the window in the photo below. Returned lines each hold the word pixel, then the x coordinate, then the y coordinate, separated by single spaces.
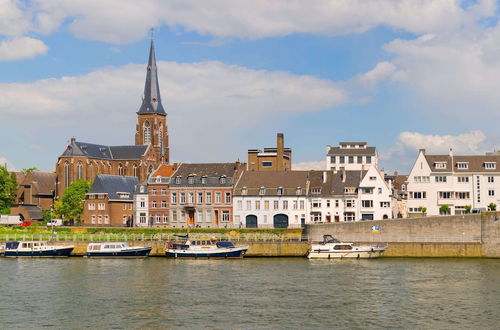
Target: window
pixel 142 204
pixel 244 191
pixel 262 191
pixel 350 203
pixel 360 159
pixel 316 216
pixel 190 179
pixel 142 218
pixel 302 205
pixel 385 204
pixel 93 219
pixel 79 171
pixel 91 206
pixel 257 205
pixel 417 195
pixel 379 190
pixel 227 197
pixel 336 203
pixel 153 204
pixel 67 174
pixel 328 203
pixel 199 216
pixel 200 198
pixel 463 179
pixel 491 179
pixel 101 206
pixel 165 219
pixel 153 192
pixel 349 216
pixel 316 203
pixel 191 197
pixel 174 216
pixel 373 178
pixel 173 198
pixel 368 159
pixel 491 192
pixel 157 219
pixel 463 195
pixel 342 159
pixel 445 194
pixel 295 204
pixel 208 216
pixel 266 205
pixel 351 159
pixel 490 165
pixel 285 205
pixel 183 198
pixel 367 203
pixel 440 165
pixel 332 159
pixel 178 180
pixel 225 216
pixel 315 191
pixel 147 133
pixel 164 192
pixel 222 180
pixel 239 205
pixel 163 204
pixel 99 219
pixel 208 197
pixel 280 191
pixel 367 190
pixel 276 205
pixel 298 191
pixel 462 165
pixel 440 178
pixel 218 197
pixel 267 164
pixel 249 205
pixel 203 180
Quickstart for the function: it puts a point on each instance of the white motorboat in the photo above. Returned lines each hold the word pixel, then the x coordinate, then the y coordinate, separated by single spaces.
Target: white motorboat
pixel 116 250
pixel 332 248
pixel 205 249
pixel 36 249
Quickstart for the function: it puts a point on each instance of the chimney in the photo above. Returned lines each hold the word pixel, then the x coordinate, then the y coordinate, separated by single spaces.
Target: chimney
pixel 280 146
pixel 422 151
pixel 325 176
pixel 343 174
pixel 451 152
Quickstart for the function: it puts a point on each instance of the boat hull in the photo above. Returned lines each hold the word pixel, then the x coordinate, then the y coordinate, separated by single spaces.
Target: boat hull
pixel 235 253
pixel 59 252
pixel 132 253
pixel 344 255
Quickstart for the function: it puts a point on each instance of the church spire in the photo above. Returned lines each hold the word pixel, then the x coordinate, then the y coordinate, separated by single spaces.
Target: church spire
pixel 151 102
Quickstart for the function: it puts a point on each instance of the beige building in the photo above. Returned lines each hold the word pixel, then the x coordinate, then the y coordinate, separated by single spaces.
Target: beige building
pixel 271 159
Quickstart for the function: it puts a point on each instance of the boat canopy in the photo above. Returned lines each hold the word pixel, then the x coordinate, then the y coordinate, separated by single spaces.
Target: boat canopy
pixel 12 245
pixel 225 244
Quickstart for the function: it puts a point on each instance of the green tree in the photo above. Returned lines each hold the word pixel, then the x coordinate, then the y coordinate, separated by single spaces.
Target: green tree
pixel 423 209
pixel 468 208
pixel 71 204
pixel 444 209
pixel 28 170
pixel 492 206
pixel 8 187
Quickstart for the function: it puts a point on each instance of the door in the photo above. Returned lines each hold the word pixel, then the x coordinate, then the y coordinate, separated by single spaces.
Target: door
pixel 251 221
pixel 337 218
pixel 191 218
pixel 280 221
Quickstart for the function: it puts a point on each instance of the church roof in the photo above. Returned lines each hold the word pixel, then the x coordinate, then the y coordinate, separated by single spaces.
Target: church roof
pixel 99 151
pixel 151 102
pixel 114 184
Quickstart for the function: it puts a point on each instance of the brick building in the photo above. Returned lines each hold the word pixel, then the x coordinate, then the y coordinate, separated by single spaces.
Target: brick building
pixel 271 159
pixel 159 196
pixel 83 160
pixel 201 195
pixel 109 203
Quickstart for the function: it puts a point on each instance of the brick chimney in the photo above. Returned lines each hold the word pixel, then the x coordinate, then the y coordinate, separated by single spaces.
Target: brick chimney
pixel 280 166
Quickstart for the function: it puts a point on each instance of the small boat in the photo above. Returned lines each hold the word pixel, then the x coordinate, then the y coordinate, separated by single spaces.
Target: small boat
pixel 116 250
pixel 36 249
pixel 332 248
pixel 205 249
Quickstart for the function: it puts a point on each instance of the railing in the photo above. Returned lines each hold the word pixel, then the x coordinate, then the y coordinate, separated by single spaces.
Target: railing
pixel 103 237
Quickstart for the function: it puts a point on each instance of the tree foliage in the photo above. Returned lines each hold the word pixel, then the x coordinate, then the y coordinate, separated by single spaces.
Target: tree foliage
pixel 468 208
pixel 8 187
pixel 444 209
pixel 492 206
pixel 28 170
pixel 71 204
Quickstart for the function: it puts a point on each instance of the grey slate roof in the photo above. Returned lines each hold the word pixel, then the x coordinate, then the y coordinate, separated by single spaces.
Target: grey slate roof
pixel 476 163
pixel 272 180
pixel 212 171
pixel 111 184
pixel 152 99
pixel 99 151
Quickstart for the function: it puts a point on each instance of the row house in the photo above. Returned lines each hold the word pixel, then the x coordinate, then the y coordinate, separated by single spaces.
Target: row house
pixel 158 197
pixel 201 195
pixel 275 199
pixel 109 203
pixel 456 181
pixel 351 156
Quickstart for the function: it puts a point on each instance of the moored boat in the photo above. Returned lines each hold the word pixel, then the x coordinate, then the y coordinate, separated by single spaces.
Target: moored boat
pixel 332 248
pixel 116 250
pixel 204 249
pixel 36 249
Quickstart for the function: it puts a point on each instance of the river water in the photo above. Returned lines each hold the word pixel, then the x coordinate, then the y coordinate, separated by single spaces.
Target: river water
pixel 250 293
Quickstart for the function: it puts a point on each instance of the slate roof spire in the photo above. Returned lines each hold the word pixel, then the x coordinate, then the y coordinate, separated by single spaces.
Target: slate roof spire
pixel 151 102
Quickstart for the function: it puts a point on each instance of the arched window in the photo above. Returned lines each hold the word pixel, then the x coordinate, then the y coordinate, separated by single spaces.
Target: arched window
pixel 89 172
pixel 160 138
pixel 150 169
pixel 147 133
pixel 67 175
pixel 136 172
pixel 79 171
pixel 120 170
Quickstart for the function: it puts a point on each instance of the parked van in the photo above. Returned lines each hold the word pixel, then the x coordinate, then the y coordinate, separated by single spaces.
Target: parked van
pixel 54 223
pixel 478 210
pixel 10 220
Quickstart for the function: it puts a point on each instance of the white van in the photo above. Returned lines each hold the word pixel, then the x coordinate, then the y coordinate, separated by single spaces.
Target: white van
pixel 54 223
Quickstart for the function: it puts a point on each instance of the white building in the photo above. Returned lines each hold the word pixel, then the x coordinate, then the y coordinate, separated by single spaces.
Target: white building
pixel 455 181
pixel 351 156
pixel 141 214
pixel 273 199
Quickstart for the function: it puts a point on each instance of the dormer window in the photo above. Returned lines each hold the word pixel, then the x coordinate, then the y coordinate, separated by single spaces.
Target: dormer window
pixel 298 191
pixel 315 191
pixel 462 165
pixel 222 180
pixel 262 191
pixel 280 191
pixel 244 191
pixel 440 165
pixel 190 179
pixel 178 180
pixel 203 180
pixel 490 165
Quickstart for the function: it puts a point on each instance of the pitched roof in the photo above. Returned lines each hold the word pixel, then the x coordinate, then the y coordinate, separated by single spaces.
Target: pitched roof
pixel 272 180
pixel 163 170
pixel 346 179
pixel 151 102
pixel 211 171
pixel 99 151
pixel 112 184
pixel 43 182
pixel 322 180
pixel 476 163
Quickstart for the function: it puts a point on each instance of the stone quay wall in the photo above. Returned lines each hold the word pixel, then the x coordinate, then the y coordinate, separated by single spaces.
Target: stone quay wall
pixel 472 235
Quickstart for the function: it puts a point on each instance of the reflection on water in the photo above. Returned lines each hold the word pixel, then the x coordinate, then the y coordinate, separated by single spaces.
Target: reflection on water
pixel 249 293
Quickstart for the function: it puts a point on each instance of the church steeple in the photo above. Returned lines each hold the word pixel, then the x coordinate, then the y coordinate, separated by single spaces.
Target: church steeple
pixel 151 102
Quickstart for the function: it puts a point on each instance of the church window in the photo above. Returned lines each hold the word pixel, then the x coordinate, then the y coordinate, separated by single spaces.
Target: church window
pixel 79 171
pixel 147 133
pixel 136 172
pixel 67 174
pixel 150 169
pixel 120 170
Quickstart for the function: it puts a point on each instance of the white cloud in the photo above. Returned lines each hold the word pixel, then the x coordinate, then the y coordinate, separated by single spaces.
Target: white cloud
pixel 21 48
pixel 207 102
pixel 121 21
pixel 304 166
pixel 7 164
pixel 370 79
pixel 404 152
pixel 13 20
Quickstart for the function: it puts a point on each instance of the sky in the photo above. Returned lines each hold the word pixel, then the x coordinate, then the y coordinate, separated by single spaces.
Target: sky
pixel 400 75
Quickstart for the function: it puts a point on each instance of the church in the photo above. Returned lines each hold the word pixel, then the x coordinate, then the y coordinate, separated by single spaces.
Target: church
pixel 83 160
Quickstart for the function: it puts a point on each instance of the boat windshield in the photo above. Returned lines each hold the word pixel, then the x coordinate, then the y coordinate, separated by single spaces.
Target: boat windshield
pixel 330 239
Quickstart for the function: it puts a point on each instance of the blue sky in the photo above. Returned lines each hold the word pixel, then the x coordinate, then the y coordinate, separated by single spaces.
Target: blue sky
pixel 401 75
